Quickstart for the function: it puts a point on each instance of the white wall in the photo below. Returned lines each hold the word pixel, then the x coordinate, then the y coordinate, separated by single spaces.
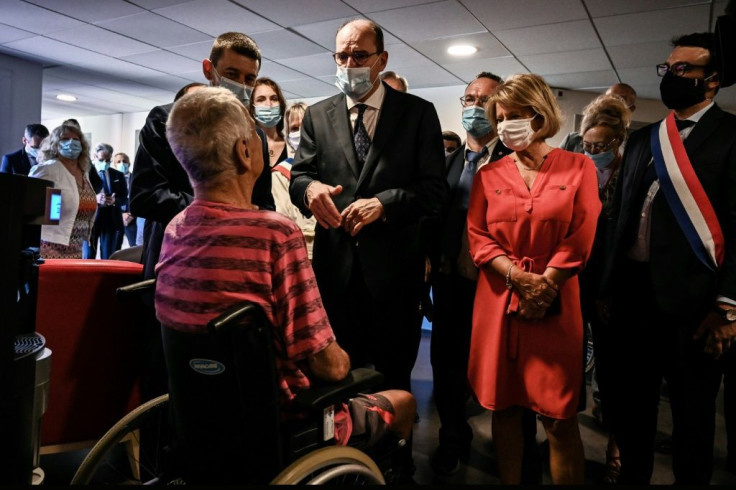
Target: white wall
pixel 20 100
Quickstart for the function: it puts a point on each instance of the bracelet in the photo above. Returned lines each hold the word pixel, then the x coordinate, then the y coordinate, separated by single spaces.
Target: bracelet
pixel 508 277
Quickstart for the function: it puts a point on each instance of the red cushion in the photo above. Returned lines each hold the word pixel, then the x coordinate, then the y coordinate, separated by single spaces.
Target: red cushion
pixel 95 344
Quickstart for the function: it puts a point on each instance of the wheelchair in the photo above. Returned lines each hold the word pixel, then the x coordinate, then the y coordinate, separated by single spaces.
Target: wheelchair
pixel 222 423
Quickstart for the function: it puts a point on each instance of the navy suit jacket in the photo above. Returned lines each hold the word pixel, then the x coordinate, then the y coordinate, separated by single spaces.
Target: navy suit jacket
pixel 404 169
pixel 18 162
pixel 110 218
pixel 682 284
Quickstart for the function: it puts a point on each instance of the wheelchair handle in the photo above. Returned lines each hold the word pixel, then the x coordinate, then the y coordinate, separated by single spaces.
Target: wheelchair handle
pixel 232 315
pixel 135 289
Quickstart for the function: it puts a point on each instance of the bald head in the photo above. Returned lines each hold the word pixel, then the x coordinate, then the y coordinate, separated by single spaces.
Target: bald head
pixel 626 92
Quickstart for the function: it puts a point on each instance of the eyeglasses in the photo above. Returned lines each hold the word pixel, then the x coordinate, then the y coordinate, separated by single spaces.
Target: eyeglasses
pixel 359 57
pixel 471 100
pixel 678 69
pixel 597 147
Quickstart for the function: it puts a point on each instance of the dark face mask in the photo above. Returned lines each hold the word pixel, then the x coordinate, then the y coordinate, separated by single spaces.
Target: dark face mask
pixel 680 92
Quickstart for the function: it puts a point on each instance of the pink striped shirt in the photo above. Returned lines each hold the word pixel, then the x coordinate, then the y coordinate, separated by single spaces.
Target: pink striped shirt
pixel 215 255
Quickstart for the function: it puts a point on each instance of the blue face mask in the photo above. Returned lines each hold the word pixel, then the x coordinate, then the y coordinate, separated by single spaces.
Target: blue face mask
pixel 32 151
pixel 70 148
pixel 268 116
pixel 242 92
pixel 602 159
pixel 355 82
pixel 102 166
pixel 475 121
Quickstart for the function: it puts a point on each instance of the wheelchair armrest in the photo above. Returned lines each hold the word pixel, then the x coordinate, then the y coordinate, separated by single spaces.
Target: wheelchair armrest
pixel 136 289
pixel 359 380
pixel 234 314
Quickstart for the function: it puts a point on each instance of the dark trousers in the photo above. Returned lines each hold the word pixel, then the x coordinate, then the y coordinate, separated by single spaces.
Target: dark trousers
pixel 130 233
pixel 452 324
pixel 109 240
pixel 727 363
pixel 652 344
pixel 382 333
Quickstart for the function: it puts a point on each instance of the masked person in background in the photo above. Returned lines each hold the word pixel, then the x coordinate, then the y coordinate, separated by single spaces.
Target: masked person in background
pixel 281 175
pixel 268 110
pixel 112 202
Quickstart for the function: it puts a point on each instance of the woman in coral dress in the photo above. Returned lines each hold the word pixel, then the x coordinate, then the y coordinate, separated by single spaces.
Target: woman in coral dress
pixel 531 223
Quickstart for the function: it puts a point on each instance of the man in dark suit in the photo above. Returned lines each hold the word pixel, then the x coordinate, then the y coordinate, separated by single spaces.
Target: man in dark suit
pixel 112 202
pixel 671 294
pixel 369 167
pixel 160 188
pixel 454 277
pixel 21 161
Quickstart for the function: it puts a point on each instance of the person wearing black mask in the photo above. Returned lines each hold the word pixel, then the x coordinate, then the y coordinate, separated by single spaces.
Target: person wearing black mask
pixel 669 286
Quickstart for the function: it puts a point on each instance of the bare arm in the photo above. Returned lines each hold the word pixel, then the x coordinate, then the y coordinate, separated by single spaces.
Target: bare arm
pixel 330 364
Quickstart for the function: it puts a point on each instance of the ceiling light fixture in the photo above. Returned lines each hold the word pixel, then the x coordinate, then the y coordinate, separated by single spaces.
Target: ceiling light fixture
pixel 462 50
pixel 66 97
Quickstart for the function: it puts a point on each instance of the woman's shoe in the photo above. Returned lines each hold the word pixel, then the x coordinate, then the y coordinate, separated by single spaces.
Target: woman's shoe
pixel 613 469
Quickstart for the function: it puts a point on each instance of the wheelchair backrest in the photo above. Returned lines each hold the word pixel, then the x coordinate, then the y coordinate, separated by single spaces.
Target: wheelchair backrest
pixel 223 388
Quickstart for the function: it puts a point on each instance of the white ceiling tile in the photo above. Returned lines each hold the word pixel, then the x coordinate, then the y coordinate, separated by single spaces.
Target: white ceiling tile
pixel 549 38
pixel 46 48
pixel 603 8
pixel 101 41
pixel 646 75
pixel 635 55
pixel 195 51
pixel 154 29
pixel 503 67
pixel 286 13
pixel 310 87
pixel 401 56
pixel 166 82
pixel 323 33
pixel 367 6
pixel 429 76
pixel 216 17
pixel 157 4
pixel 90 10
pixel 278 72
pixel 436 49
pixel 505 14
pixel 34 19
pixel 584 80
pixel 164 61
pixel 430 21
pixel 570 62
pixel 316 65
pixel 118 68
pixel 646 27
pixel 282 44
pixel 9 34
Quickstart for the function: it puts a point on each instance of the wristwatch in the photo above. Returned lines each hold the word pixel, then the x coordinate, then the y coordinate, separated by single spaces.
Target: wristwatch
pixel 727 314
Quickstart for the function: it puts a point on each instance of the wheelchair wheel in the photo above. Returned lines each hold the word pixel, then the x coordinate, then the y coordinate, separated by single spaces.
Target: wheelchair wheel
pixel 133 451
pixel 332 465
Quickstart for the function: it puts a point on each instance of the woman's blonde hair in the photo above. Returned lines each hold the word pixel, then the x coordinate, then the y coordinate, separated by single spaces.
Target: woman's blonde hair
pixel 528 91
pixel 607 110
pixel 50 146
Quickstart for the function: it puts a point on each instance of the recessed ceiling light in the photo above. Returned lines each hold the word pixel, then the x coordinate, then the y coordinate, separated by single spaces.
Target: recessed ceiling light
pixel 462 50
pixel 66 97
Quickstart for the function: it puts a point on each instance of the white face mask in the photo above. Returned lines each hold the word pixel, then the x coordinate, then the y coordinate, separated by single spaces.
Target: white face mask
pixel 516 134
pixel 242 92
pixel 293 139
pixel 355 82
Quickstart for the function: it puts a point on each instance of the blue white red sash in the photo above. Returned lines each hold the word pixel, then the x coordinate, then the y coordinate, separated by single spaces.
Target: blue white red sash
pixel 685 194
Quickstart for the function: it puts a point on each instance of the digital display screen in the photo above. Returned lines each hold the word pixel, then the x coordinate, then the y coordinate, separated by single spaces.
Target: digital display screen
pixel 53 206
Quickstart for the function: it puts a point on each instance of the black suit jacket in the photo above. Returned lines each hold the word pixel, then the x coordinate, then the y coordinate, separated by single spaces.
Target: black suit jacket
pixel 111 217
pixel 682 284
pixel 160 188
pixel 404 169
pixel 448 227
pixel 18 162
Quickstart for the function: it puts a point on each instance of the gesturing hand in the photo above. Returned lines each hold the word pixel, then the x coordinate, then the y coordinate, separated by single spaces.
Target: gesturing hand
pixel 360 213
pixel 319 201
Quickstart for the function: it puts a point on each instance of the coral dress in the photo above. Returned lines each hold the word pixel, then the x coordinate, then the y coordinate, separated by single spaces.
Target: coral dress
pixel 515 362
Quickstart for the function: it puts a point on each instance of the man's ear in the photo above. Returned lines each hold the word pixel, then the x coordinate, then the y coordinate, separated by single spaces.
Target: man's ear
pixel 207 70
pixel 241 156
pixel 713 83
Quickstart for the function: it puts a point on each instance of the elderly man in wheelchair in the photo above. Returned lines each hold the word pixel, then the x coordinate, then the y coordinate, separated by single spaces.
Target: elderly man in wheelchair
pixel 221 253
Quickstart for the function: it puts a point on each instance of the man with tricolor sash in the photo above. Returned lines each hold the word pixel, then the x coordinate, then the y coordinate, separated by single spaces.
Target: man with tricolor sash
pixel 670 287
